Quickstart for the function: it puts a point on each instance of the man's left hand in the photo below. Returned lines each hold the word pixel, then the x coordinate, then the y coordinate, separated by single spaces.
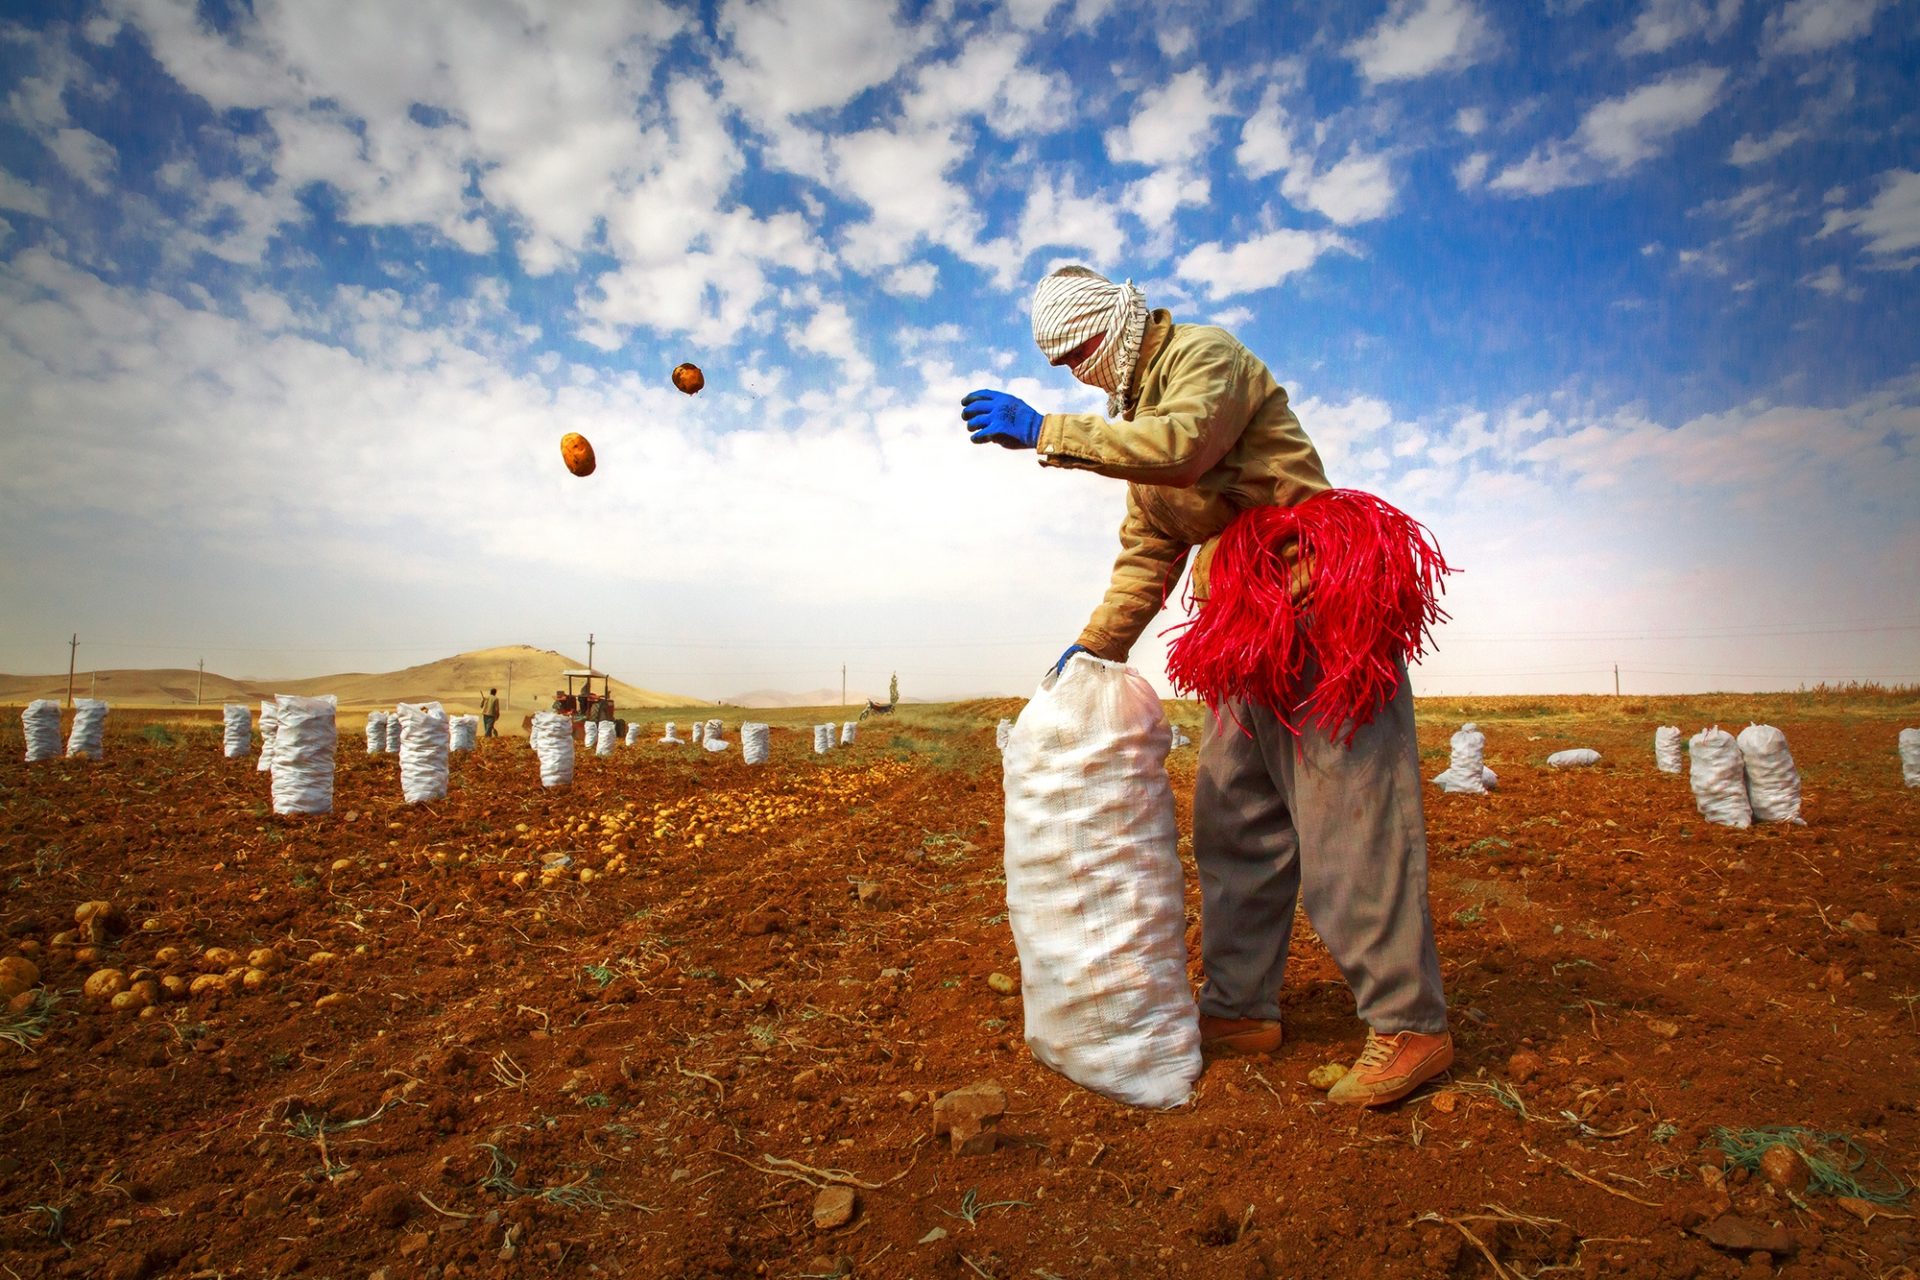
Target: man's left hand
pixel 1000 418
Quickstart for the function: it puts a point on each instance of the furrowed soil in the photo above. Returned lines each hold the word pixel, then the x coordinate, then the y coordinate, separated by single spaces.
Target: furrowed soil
pixel 638 1026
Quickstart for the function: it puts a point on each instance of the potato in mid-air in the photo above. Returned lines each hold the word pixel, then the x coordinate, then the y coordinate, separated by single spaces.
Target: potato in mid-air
pixel 688 378
pixel 577 453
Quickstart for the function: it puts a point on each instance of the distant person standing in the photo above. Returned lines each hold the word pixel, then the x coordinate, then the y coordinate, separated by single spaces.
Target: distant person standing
pixel 490 713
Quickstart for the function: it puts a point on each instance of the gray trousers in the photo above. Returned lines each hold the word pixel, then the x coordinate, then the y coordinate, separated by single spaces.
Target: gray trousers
pixel 1275 817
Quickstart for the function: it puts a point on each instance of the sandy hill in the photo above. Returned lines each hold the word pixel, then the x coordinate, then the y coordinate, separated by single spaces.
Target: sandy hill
pixel 532 674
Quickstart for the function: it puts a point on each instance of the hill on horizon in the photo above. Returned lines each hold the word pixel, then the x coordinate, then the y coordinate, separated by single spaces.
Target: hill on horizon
pixel 457 682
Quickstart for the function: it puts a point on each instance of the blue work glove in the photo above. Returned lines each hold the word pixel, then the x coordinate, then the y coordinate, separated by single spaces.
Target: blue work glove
pixel 1061 665
pixel 1005 420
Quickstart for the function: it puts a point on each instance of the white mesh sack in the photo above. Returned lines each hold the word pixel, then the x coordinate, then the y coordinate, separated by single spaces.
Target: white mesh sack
pixel 753 742
pixel 88 735
pixel 303 747
pixel 1666 749
pixel 269 724
pixel 669 736
pixel 464 733
pixel 1000 732
pixel 847 732
pixel 633 733
pixel 1488 778
pixel 552 740
pixel 822 739
pixel 376 732
pixel 699 732
pixel 714 739
pixel 236 730
pixel 604 740
pixel 1573 758
pixel 1466 763
pixel 1910 757
pixel 1094 889
pixel 715 730
pixel 1773 784
pixel 393 731
pixel 40 722
pixel 1718 775
pixel 590 734
pixel 424 742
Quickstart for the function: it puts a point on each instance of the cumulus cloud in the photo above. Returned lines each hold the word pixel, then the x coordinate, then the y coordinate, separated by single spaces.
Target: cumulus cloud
pixel 1618 134
pixel 21 196
pixel 795 56
pixel 1889 223
pixel 1418 38
pixel 1360 187
pixel 1662 24
pixel 1810 26
pixel 1226 271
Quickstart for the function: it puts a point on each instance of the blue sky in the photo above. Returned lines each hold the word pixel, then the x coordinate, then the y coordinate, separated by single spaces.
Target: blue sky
pixel 299 297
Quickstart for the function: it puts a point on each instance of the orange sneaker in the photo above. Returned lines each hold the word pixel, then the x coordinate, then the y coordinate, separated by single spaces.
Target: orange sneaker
pixel 1224 1036
pixel 1391 1067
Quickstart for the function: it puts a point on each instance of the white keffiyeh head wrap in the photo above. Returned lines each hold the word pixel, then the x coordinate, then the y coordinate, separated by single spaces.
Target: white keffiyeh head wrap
pixel 1071 305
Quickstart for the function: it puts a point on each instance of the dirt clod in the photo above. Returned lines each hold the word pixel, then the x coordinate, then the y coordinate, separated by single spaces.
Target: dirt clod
pixel 968 1116
pixel 1736 1234
pixel 834 1207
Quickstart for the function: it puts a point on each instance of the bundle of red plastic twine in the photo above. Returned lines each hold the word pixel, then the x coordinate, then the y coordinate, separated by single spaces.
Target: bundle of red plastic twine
pixel 1374 578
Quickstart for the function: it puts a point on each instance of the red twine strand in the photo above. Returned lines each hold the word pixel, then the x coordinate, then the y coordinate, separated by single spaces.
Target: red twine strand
pixel 1374 579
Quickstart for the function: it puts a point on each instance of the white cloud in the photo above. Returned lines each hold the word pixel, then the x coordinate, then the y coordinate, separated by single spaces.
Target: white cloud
pixel 1619 134
pixel 1661 24
pixel 1751 150
pixel 829 332
pixel 1266 140
pixel 1809 26
pixel 1057 216
pixel 1831 281
pixel 912 280
pixel 1890 222
pixel 1227 271
pixel 991 78
pixel 87 156
pixel 21 196
pixel 1173 124
pixel 1155 198
pixel 1358 188
pixel 1471 121
pixel 795 56
pixel 1472 171
pixel 1420 37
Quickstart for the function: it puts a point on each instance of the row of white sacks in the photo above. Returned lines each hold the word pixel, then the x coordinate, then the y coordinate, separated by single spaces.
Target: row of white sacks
pixel 40 724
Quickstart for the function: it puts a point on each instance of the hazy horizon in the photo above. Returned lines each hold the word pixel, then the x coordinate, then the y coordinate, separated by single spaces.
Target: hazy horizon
pixel 1618 299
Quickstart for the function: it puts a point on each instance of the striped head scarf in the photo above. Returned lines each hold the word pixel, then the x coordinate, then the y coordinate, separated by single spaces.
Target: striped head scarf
pixel 1073 304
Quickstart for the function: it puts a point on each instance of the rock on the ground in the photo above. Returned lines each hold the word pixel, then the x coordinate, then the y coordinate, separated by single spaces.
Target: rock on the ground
pixel 834 1207
pixel 968 1116
pixel 1786 1169
pixel 1732 1232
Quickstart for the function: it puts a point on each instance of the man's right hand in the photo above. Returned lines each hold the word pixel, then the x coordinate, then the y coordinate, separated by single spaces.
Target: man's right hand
pixel 1061 665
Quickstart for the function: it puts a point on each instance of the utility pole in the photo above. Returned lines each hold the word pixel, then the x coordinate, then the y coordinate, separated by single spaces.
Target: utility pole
pixel 509 684
pixel 843 684
pixel 589 650
pixel 1616 679
pixel 73 649
pixel 200 685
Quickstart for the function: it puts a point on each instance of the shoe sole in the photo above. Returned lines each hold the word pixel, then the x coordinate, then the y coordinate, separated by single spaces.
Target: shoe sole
pixel 1405 1090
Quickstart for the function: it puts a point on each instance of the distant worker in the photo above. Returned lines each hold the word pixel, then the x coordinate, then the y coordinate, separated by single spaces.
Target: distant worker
pixel 1309 601
pixel 603 711
pixel 563 702
pixel 489 713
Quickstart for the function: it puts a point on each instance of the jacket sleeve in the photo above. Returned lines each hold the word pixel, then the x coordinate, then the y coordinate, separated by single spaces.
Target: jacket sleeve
pixel 1210 395
pixel 1144 575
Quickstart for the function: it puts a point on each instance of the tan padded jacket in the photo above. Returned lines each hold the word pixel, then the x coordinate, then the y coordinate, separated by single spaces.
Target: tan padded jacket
pixel 1209 435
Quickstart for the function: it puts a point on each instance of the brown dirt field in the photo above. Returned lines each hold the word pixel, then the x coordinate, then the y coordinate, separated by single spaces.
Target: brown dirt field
pixel 654 1072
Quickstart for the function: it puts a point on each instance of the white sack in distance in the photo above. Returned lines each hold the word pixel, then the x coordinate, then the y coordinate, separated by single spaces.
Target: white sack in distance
pixel 269 723
pixel 1000 732
pixel 376 732
pixel 465 731
pixel 716 730
pixel 88 735
pixel 303 747
pixel 846 734
pixel 699 732
pixel 236 734
pixel 1466 762
pixel 1094 889
pixel 822 739
pixel 1719 778
pixel 753 742
pixel 41 724
pixel 589 733
pixel 393 731
pixel 1773 784
pixel 1666 749
pixel 668 738
pixel 1180 738
pixel 603 743
pixel 552 740
pixel 1573 758
pixel 633 734
pixel 423 752
pixel 1910 757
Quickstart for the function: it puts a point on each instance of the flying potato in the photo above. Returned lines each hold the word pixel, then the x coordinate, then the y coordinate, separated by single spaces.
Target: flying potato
pixel 577 453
